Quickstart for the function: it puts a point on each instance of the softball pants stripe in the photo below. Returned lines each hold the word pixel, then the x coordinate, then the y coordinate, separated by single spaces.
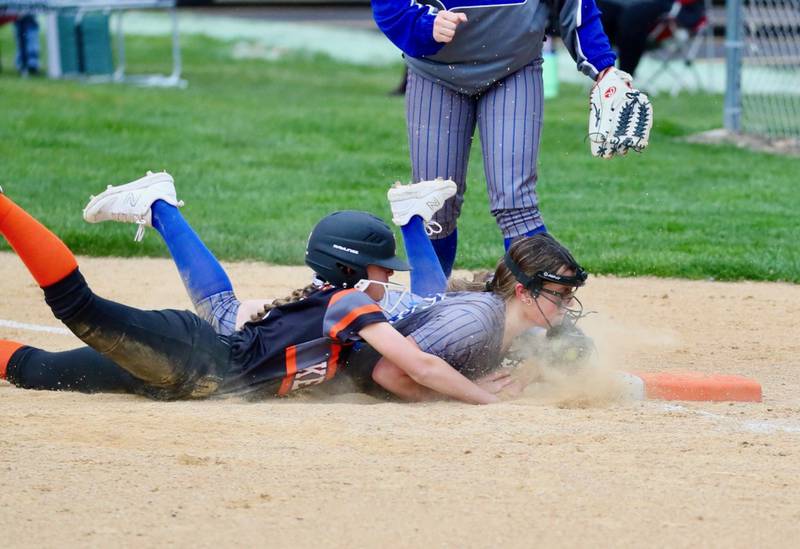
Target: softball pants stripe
pixel 441 124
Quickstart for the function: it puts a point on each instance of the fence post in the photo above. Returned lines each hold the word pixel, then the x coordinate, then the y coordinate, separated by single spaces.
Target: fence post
pixel 733 65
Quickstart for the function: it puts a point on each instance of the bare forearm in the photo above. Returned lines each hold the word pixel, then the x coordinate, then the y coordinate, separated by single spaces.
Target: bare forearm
pixel 411 391
pixel 425 369
pixel 439 376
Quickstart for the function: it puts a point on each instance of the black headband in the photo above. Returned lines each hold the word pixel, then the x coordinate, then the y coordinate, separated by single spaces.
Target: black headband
pixel 535 282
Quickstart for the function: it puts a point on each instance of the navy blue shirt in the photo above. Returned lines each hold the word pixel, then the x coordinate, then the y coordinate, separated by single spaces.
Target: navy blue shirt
pixel 299 344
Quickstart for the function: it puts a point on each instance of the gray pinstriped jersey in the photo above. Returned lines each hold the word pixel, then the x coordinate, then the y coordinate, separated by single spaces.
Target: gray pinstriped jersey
pixel 496 42
pixel 465 330
pixel 500 37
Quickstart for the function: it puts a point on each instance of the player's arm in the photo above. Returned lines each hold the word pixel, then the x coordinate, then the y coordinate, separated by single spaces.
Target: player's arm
pixel 425 369
pixel 408 25
pixel 396 381
pixel 583 35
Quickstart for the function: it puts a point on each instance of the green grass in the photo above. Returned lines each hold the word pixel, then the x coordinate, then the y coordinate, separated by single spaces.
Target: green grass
pixel 261 150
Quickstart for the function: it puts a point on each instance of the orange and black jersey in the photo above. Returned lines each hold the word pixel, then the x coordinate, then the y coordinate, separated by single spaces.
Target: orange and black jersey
pixel 299 344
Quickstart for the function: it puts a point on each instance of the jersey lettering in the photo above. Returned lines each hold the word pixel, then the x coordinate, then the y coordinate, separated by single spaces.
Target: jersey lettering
pixel 312 375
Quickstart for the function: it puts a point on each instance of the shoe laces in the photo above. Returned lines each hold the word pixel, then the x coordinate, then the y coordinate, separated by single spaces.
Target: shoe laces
pixel 432 228
pixel 142 224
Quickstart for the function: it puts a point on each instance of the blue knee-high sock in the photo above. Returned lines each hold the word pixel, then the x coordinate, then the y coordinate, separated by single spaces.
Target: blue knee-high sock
pixel 200 271
pixel 508 241
pixel 427 276
pixel 446 251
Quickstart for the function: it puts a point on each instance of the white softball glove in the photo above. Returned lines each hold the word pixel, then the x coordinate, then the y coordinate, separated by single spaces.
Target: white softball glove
pixel 620 117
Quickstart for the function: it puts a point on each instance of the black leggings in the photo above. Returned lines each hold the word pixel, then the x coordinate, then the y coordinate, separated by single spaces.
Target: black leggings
pixel 83 370
pixel 165 354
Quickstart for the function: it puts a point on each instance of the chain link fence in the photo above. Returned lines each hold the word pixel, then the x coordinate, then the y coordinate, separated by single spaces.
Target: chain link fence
pixel 763 91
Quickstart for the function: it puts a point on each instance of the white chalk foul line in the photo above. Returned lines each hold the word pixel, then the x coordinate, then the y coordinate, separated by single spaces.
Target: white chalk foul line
pixel 753 426
pixel 33 327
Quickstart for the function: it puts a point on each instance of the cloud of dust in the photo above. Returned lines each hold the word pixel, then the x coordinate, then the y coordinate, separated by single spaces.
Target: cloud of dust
pixel 597 380
pixel 590 385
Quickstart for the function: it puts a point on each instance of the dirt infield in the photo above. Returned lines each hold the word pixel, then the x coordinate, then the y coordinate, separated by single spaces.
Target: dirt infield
pixel 572 470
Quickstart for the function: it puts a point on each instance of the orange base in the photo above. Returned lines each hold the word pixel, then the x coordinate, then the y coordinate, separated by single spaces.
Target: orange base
pixel 697 386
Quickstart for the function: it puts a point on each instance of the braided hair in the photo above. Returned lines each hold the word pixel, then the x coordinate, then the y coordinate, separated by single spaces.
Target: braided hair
pixel 296 295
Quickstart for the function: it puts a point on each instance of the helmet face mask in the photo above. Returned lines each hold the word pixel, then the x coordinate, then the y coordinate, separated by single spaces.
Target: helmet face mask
pixel 343 243
pixel 386 304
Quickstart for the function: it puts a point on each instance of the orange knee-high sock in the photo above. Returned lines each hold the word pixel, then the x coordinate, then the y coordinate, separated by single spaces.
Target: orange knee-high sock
pixel 7 348
pixel 47 258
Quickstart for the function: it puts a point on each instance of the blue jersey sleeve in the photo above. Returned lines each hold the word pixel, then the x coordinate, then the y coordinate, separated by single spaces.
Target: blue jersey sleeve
pixel 583 35
pixel 408 25
pixel 593 39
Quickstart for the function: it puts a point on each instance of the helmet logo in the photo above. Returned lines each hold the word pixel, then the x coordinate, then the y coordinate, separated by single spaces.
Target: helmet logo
pixel 344 249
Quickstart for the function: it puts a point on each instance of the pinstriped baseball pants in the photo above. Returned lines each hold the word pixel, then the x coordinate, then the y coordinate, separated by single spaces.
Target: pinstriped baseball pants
pixel 441 124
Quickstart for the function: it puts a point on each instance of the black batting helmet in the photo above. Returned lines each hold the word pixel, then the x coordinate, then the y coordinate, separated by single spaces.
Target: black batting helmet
pixel 343 243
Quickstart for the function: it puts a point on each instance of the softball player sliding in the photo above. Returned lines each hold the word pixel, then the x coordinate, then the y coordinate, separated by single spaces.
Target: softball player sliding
pixel 471 330
pixel 480 62
pixel 174 354
pixel 152 202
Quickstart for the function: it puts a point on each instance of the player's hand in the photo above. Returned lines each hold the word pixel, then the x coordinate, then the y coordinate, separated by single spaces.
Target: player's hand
pixel 444 26
pixel 515 389
pixel 494 382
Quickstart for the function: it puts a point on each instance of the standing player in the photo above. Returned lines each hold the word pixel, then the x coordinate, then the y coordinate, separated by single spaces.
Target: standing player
pixel 480 62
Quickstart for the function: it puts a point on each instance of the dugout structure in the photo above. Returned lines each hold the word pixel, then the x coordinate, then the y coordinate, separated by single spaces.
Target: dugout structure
pixel 763 68
pixel 79 39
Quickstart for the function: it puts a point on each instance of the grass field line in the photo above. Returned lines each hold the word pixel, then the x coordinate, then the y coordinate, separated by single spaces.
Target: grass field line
pixel 33 327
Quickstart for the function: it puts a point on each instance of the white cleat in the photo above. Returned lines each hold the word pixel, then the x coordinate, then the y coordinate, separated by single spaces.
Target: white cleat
pixel 1 190
pixel 423 199
pixel 130 203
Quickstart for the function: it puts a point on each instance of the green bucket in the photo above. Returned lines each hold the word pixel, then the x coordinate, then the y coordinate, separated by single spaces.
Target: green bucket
pixel 85 44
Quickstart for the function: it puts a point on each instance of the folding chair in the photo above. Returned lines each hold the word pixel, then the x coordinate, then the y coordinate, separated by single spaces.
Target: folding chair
pixel 678 37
